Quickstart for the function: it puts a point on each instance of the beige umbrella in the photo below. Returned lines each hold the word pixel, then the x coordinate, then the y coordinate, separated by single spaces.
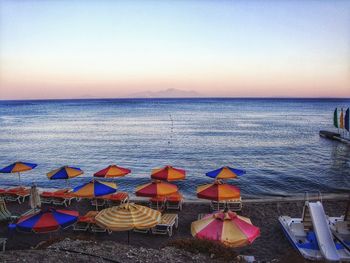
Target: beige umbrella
pixel 127 217
pixel 34 198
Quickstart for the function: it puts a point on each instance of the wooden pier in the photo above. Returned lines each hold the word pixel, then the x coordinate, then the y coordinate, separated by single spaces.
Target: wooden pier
pixel 334 136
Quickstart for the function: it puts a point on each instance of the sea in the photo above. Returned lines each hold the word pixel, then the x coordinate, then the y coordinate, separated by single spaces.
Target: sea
pixel 276 141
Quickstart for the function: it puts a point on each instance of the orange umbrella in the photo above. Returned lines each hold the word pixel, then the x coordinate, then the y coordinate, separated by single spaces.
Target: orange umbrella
pixel 226 227
pixel 218 191
pixel 112 171
pixel 168 173
pixel 156 189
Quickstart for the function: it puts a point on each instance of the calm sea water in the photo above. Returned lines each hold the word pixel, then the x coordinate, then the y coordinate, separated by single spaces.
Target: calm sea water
pixel 275 141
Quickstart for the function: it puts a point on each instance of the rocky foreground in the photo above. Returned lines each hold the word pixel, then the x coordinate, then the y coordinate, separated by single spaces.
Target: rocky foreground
pixel 106 251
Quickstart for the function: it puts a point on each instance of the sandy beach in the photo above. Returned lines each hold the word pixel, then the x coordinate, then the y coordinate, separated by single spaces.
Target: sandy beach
pixel 271 246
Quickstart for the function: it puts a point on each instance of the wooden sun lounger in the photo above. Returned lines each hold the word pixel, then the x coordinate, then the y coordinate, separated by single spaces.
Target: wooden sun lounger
pixel 166 225
pixel 174 201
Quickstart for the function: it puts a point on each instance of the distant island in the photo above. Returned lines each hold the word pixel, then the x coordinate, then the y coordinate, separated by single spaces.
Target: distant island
pixel 168 93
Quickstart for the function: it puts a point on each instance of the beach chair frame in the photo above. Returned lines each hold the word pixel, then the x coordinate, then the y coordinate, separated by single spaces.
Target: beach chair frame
pixel 166 228
pixel 234 205
pixel 3 242
pixel 157 205
pixel 5 214
pixel 174 205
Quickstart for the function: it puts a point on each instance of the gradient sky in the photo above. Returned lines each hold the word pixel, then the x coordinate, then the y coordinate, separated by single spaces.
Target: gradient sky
pixel 71 49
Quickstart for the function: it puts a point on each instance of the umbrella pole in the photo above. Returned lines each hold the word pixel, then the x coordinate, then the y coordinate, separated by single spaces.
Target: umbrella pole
pixel 128 237
pixel 96 204
pixel 19 178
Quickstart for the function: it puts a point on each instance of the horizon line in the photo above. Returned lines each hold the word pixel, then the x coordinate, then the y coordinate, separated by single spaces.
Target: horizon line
pixel 152 98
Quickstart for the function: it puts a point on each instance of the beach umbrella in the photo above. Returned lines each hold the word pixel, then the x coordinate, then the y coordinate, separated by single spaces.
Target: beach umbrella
pixel 168 173
pixel 226 227
pixel 64 172
pixel 112 171
pixel 34 198
pixel 218 191
pixel 94 189
pixel 156 189
pixel 47 220
pixel 127 217
pixel 225 172
pixel 18 167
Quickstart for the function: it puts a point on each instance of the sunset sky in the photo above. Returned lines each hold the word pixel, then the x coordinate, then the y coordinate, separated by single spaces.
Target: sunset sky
pixel 73 49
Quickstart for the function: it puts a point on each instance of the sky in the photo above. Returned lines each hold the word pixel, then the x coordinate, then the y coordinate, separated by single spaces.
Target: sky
pixel 108 49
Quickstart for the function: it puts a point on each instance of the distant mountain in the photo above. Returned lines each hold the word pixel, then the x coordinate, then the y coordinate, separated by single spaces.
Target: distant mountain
pixel 168 93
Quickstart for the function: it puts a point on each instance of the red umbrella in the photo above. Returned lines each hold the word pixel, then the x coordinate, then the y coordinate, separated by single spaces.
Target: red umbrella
pixel 112 171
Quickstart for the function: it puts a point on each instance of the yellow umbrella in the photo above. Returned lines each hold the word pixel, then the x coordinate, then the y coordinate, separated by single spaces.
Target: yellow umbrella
pixel 127 217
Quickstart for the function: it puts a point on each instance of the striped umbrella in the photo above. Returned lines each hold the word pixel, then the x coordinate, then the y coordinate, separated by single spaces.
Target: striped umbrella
pixel 168 173
pixel 225 172
pixel 218 191
pixel 156 189
pixel 47 220
pixel 226 227
pixel 112 171
pixel 95 188
pixel 127 217
pixel 18 167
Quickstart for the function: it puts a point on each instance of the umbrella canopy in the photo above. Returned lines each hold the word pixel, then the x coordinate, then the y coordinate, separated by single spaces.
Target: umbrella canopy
pixel 34 198
pixel 218 191
pixel 127 217
pixel 95 188
pixel 226 227
pixel 47 220
pixel 156 188
pixel 225 172
pixel 65 172
pixel 18 167
pixel 112 171
pixel 168 173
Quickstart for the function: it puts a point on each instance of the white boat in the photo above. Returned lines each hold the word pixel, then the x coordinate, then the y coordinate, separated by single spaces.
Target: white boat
pixel 311 235
pixel 340 227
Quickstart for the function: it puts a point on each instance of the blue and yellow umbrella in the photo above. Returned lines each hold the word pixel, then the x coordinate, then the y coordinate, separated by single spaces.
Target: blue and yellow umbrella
pixel 18 167
pixel 65 172
pixel 95 188
pixel 225 172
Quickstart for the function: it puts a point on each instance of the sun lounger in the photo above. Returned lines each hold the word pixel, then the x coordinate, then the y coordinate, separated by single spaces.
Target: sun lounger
pixel 5 214
pixel 157 203
pixel 234 205
pixel 48 197
pixel 174 201
pixel 88 222
pixel 117 198
pixel 63 198
pixel 216 206
pixel 17 194
pixel 99 202
pixel 166 225
pixel 3 243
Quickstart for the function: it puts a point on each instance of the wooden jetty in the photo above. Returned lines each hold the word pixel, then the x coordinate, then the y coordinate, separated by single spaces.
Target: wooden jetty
pixel 334 136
